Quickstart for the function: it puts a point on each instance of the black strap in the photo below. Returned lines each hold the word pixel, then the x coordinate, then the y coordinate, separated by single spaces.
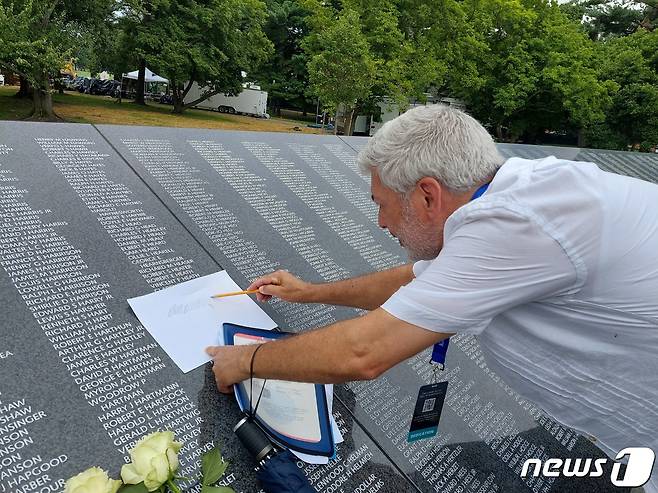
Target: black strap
pixel 252 412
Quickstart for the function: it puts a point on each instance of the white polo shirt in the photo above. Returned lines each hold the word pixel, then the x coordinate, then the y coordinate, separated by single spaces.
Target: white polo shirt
pixel 555 269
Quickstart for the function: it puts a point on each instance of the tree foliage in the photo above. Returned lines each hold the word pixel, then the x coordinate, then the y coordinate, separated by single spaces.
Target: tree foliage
pixel 632 119
pixel 539 71
pixel 525 68
pixel 335 82
pixel 604 19
pixel 210 42
pixel 285 76
pixel 37 37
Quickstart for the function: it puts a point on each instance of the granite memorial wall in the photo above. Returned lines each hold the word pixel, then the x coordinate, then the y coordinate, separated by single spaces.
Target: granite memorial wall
pixel 81 379
pixel 91 216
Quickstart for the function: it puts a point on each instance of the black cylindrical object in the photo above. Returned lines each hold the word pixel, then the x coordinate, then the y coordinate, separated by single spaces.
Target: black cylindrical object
pixel 253 438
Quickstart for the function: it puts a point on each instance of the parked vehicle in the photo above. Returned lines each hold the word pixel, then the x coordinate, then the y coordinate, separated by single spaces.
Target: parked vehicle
pixel 251 101
pixel 95 86
pixel 106 87
pixel 113 88
pixel 75 83
pixel 166 99
pixel 84 85
pixel 65 79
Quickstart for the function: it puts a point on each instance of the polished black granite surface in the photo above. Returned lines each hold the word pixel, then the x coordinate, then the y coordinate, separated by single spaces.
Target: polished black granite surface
pixel 92 216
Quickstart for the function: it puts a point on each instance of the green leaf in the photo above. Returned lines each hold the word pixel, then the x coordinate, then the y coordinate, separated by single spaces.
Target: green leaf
pixel 212 466
pixel 133 488
pixel 216 489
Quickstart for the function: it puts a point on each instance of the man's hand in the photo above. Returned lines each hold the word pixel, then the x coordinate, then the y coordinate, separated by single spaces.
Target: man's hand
pixel 284 285
pixel 230 365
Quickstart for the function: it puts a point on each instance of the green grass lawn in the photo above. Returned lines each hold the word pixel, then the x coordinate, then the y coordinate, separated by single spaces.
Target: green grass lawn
pixel 12 108
pixel 84 108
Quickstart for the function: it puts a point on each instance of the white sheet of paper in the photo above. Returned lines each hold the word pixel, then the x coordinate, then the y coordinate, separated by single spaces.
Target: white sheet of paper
pixel 184 319
pixel 338 436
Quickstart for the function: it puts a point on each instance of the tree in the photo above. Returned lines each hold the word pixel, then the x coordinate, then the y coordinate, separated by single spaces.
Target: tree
pixel 448 54
pixel 210 42
pixel 285 77
pixel 37 38
pixel 404 65
pixel 632 119
pixel 392 54
pixel 342 71
pixel 539 72
pixel 603 18
pixel 110 47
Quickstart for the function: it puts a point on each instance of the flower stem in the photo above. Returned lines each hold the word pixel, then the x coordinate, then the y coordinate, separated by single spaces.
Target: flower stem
pixel 173 487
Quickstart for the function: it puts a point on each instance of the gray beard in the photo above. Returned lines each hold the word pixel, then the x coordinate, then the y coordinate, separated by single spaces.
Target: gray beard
pixel 420 243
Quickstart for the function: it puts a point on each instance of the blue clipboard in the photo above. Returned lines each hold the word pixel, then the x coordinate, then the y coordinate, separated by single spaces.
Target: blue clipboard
pixel 325 446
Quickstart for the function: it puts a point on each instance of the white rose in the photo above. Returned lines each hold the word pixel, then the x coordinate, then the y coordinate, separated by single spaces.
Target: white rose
pixel 154 460
pixel 93 480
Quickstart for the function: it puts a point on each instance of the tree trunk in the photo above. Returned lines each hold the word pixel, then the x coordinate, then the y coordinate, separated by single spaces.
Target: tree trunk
pixel 273 106
pixel 499 132
pixel 348 121
pixel 178 105
pixel 582 142
pixel 25 89
pixel 139 96
pixel 177 97
pixel 42 99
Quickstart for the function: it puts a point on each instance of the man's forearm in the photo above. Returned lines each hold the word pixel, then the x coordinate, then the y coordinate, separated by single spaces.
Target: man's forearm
pixel 356 349
pixel 367 292
pixel 320 356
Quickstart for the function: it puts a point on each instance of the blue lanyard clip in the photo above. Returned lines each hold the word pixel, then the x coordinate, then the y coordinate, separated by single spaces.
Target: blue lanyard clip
pixel 439 353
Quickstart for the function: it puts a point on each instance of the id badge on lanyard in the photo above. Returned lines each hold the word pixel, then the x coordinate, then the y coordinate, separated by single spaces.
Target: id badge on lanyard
pixel 429 404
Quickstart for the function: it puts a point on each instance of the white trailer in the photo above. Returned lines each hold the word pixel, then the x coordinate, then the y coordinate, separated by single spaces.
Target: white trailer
pixel 251 101
pixel 389 110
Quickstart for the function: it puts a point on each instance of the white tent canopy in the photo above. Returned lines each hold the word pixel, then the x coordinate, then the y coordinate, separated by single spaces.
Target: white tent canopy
pixel 148 76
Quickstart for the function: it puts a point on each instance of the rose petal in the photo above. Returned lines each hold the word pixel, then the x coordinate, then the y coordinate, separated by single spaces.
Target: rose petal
pixel 115 484
pixel 161 440
pixel 172 458
pixel 158 474
pixel 130 475
pixel 93 480
pixel 142 458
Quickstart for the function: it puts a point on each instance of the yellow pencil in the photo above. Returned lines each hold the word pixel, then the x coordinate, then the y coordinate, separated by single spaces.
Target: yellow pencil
pixel 235 293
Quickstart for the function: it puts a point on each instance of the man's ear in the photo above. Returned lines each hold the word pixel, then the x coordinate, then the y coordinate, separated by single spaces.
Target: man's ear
pixel 431 193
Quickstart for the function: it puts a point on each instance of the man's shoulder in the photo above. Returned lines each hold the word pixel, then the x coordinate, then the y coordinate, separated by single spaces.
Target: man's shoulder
pixel 540 190
pixel 520 173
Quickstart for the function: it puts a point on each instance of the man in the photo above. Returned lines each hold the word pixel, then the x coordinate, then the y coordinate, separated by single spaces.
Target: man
pixel 554 267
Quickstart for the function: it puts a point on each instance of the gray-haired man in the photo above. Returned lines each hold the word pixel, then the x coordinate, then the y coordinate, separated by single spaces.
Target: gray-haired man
pixel 553 268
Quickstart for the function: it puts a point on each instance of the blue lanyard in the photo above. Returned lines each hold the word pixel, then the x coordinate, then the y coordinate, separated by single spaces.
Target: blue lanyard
pixel 441 348
pixel 480 191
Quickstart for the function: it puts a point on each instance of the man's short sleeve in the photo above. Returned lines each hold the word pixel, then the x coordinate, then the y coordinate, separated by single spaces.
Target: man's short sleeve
pixel 420 266
pixel 492 261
